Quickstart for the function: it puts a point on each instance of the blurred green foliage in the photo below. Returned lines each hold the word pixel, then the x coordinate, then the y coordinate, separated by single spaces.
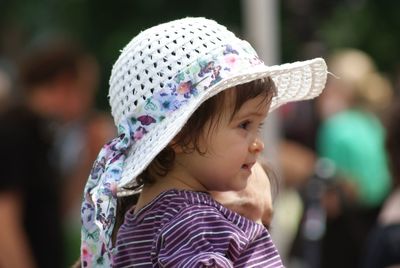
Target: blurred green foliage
pixel 104 27
pixel 372 27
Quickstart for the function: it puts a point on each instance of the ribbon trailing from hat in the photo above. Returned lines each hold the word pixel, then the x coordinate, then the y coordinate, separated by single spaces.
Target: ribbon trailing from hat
pixel 98 211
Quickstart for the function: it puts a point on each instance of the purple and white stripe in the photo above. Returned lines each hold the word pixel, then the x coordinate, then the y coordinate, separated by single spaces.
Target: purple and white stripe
pixel 189 229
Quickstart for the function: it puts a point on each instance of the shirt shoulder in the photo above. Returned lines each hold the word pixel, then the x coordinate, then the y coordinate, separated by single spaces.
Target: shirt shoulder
pixel 189 229
pixel 205 226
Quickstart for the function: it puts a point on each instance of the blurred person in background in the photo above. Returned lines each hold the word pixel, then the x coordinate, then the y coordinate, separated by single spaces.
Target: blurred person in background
pixel 383 247
pixel 297 167
pixel 351 136
pixel 297 163
pixel 78 143
pixel 30 187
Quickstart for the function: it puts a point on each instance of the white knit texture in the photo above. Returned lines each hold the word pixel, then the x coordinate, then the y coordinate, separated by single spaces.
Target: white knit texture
pixel 156 55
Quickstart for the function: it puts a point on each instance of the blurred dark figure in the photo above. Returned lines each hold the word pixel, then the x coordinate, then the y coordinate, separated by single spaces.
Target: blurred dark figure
pixel 383 247
pixel 5 87
pixel 351 136
pixel 79 143
pixel 30 233
pixel 296 167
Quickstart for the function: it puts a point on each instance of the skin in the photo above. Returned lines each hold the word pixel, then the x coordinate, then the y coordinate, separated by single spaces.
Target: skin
pixel 231 152
pixel 253 202
pixel 14 249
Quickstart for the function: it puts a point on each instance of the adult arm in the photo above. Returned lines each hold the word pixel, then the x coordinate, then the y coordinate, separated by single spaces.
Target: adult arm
pixel 14 247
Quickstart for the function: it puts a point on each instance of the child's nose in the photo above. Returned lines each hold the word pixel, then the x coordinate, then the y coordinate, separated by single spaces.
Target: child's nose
pixel 257 146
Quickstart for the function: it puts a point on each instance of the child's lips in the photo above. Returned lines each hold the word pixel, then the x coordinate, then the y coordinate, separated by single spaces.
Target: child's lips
pixel 248 166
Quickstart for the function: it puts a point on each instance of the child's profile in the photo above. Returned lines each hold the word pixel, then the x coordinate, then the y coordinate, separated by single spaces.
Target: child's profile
pixel 189 99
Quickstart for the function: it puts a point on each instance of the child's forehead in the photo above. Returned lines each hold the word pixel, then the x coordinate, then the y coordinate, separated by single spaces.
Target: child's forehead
pixel 257 105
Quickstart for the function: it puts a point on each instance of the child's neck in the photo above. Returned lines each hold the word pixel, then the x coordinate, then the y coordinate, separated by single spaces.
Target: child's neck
pixel 171 181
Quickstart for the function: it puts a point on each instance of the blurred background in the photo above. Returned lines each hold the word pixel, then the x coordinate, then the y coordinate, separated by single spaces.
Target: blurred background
pixel 336 199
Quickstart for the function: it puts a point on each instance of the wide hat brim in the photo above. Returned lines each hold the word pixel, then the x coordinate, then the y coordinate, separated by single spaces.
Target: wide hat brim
pixel 294 82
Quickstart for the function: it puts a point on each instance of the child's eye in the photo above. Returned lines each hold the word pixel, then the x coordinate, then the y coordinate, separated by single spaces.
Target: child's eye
pixel 244 125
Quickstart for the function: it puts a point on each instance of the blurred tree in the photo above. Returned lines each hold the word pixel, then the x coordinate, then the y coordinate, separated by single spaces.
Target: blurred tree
pixel 105 26
pixel 371 26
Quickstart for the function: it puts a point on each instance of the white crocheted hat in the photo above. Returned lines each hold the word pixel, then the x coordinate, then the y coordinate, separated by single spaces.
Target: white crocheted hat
pixel 166 72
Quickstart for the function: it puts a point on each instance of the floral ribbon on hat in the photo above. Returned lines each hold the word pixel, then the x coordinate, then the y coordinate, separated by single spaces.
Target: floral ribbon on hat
pixel 99 205
pixel 98 209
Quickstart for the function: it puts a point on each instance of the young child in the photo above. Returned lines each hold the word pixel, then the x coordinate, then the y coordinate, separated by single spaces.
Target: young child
pixel 188 98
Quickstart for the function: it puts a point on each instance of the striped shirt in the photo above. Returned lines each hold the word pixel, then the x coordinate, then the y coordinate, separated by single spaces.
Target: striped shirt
pixel 182 228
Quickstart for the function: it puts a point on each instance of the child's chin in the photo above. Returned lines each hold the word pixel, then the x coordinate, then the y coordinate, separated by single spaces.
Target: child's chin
pixel 242 184
pixel 246 171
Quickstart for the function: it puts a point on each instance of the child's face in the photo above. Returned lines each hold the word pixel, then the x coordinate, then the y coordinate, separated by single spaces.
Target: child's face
pixel 231 149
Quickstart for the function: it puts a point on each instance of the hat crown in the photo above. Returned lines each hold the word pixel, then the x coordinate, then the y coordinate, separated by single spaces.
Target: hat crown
pixel 156 55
